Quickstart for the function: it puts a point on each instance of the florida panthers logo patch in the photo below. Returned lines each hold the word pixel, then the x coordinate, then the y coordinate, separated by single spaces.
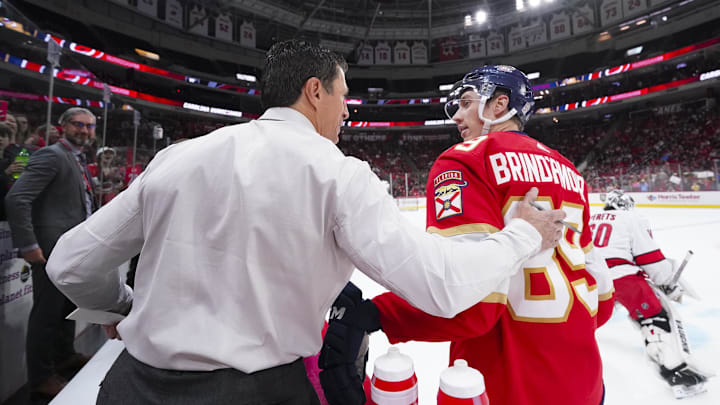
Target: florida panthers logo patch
pixel 448 194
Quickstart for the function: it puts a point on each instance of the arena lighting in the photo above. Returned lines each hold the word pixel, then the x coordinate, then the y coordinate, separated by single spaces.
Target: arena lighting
pixel 533 75
pixel 664 18
pixel 97 54
pixel 439 122
pixel 624 27
pixel 710 75
pixel 480 17
pixel 634 51
pixel 375 89
pixel 445 87
pixel 519 5
pixel 621 96
pixel 247 78
pixel 147 54
pixel 604 36
pixel 534 3
pixel 641 22
pixel 630 66
pixel 87 81
pixel 468 20
pixel 212 110
pixel 681 65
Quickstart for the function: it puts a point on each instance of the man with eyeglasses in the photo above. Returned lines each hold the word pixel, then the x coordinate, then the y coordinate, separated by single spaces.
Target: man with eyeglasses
pixel 53 195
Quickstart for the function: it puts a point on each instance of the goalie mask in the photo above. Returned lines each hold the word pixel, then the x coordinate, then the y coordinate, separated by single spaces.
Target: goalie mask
pixel 484 81
pixel 618 200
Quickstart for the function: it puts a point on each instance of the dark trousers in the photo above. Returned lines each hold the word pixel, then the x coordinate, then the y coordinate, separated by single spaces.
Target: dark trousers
pixel 50 337
pixel 132 382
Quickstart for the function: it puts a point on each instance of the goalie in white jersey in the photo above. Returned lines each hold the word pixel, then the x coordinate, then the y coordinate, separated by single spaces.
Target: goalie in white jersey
pixel 642 277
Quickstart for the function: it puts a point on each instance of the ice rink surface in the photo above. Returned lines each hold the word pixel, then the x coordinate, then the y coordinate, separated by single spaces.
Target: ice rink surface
pixel 630 378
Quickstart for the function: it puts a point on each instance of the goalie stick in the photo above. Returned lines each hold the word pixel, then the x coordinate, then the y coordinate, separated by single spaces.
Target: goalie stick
pixel 680 269
pixel 687 288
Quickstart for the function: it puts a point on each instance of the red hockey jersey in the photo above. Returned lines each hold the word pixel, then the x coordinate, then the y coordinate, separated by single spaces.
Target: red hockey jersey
pixel 534 338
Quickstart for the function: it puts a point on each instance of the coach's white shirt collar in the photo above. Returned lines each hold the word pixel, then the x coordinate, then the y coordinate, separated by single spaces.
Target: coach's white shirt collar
pixel 288 114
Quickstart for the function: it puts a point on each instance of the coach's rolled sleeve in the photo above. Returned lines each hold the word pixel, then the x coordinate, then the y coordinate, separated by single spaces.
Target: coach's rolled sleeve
pixel 85 260
pixel 437 275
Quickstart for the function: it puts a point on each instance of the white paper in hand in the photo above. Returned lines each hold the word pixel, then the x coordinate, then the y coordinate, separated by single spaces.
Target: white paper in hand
pixel 95 316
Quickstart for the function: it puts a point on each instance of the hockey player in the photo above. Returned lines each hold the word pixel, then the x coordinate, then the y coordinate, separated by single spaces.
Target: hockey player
pixel 539 322
pixel 643 283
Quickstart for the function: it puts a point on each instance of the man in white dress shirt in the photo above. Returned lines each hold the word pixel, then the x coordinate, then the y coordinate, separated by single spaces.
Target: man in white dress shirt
pixel 244 251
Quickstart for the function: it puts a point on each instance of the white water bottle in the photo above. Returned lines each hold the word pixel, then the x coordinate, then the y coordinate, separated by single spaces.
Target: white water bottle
pixel 394 381
pixel 462 385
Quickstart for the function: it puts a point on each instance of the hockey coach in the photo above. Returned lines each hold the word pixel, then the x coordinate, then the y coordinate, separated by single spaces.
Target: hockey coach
pixel 246 237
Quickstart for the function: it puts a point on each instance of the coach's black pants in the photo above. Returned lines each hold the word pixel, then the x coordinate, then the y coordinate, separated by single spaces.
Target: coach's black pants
pixel 132 382
pixel 50 336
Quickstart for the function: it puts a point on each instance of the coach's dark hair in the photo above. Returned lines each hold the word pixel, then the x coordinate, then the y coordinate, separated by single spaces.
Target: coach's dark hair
pixel 289 64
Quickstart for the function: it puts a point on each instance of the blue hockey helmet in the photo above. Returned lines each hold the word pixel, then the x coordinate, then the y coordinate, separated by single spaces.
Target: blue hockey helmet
pixel 484 81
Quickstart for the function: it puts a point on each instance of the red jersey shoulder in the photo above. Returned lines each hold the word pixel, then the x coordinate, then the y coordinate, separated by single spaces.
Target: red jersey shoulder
pixel 522 143
pixel 447 188
pixel 457 189
pixel 517 161
pixel 450 174
pixel 466 151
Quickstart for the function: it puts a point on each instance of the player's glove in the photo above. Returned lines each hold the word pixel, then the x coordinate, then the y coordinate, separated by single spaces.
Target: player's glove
pixel 344 352
pixel 674 292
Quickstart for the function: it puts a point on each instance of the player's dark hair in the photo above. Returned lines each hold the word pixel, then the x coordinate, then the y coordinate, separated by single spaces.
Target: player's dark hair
pixel 289 64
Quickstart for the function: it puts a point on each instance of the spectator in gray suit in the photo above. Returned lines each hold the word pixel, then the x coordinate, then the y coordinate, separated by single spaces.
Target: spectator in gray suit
pixel 52 195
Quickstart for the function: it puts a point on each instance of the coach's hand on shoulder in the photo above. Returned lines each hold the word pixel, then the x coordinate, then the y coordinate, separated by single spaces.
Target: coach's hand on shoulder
pixel 546 222
pixel 344 352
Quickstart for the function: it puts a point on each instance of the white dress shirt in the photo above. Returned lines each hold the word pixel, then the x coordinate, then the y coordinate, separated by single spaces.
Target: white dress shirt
pixel 248 234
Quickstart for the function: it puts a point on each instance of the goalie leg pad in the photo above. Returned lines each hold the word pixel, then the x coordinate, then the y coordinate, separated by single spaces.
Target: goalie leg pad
pixel 662 340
